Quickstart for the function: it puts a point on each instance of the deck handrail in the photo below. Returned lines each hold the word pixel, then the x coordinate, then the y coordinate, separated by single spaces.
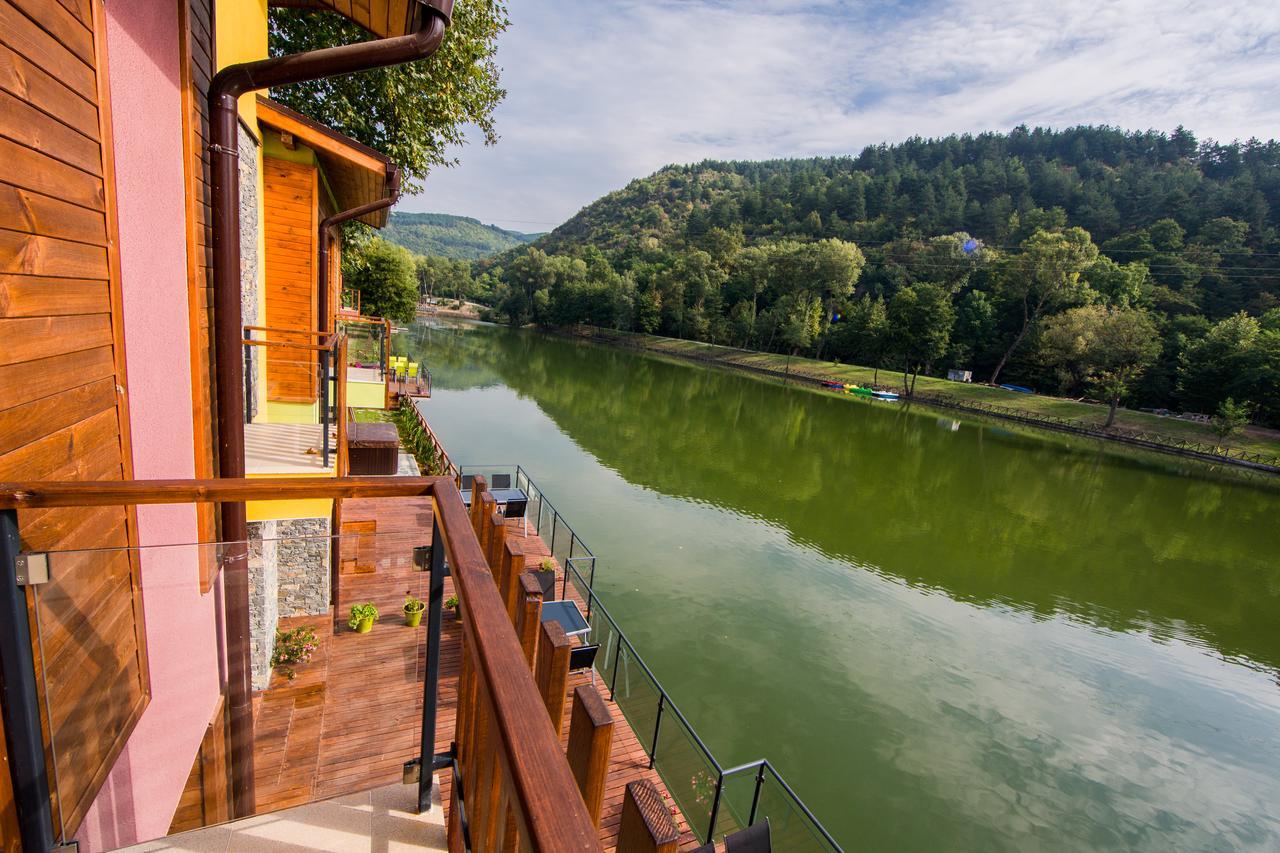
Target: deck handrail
pixel 539 786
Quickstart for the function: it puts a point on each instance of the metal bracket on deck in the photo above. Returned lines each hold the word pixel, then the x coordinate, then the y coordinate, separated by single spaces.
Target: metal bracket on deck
pixel 32 569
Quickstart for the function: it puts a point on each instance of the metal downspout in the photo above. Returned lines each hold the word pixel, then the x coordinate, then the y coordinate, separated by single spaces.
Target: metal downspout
pixel 224 90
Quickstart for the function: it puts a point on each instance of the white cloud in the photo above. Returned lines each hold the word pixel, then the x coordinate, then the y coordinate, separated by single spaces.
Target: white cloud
pixel 601 93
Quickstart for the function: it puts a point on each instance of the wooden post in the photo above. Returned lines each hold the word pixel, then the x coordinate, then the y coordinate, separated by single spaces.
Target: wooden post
pixel 497 534
pixel 487 505
pixel 590 740
pixel 512 569
pixel 646 825
pixel 530 616
pixel 552 673
pixel 478 488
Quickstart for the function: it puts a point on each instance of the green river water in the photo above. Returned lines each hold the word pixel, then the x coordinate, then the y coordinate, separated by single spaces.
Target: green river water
pixel 945 634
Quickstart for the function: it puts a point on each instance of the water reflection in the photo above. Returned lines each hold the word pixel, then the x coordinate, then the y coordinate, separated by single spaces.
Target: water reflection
pixel 954 636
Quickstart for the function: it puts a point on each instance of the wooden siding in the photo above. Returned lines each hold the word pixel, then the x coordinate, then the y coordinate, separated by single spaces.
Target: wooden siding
pixel 63 392
pixel 196 44
pixel 290 207
pixel 205 799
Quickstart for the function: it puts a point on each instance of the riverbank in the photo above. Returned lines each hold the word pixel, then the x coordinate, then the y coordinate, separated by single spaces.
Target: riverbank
pixel 1256 448
pixel 464 310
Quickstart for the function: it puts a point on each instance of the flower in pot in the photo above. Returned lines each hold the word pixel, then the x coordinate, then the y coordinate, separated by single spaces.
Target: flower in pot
pixel 546 575
pixel 362 617
pixel 413 608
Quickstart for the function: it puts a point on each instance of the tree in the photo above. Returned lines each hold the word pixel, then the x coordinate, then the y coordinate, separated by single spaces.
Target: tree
pixel 415 112
pixel 862 336
pixel 1125 345
pixel 1107 349
pixel 1068 345
pixel 383 273
pixel 1045 273
pixel 920 318
pixel 1231 418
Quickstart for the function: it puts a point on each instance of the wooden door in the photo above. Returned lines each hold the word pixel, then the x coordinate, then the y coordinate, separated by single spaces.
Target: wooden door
pixel 63 390
pixel 291 218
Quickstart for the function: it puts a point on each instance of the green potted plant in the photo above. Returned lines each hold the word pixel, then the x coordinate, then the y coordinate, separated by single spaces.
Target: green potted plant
pixel 451 603
pixel 546 575
pixel 413 608
pixel 362 617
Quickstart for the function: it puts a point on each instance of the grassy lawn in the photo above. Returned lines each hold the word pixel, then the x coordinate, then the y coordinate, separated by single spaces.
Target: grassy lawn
pixel 1254 439
pixel 371 416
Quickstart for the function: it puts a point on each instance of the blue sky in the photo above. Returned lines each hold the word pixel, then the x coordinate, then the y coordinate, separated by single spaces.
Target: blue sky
pixel 602 92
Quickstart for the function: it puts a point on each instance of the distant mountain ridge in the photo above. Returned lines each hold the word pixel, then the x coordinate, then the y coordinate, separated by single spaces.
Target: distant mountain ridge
pixel 447 236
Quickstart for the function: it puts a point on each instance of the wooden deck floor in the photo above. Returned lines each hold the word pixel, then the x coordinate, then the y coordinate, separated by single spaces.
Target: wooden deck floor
pixel 414 388
pixel 351 717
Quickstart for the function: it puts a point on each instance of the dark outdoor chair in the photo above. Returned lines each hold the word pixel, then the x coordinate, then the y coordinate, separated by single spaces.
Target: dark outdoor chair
pixel 584 657
pixel 468 481
pixel 500 481
pixel 516 509
pixel 753 839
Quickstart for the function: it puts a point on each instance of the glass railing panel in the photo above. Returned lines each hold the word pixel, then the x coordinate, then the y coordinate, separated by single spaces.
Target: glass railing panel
pixel 690 776
pixel 736 794
pixel 99 663
pixel 635 692
pixel 790 828
pixel 128 646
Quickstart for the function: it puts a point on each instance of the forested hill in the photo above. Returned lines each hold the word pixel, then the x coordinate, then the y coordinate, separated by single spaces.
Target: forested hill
pixel 1105 180
pixel 456 237
pixel 991 253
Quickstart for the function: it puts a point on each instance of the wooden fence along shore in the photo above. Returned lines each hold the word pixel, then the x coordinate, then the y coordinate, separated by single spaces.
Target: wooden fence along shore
pixel 1148 441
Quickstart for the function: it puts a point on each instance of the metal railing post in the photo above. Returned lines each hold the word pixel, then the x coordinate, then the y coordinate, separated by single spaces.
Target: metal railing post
pixel 715 807
pixel 755 798
pixel 657 727
pixel 431 683
pixel 21 705
pixel 326 358
pixel 613 679
pixel 554 516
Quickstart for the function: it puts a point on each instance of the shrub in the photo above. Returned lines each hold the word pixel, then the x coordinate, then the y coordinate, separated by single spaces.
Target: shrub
pixel 293 647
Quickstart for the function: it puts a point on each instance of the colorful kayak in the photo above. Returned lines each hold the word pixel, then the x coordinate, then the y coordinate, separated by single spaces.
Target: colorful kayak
pixel 884 395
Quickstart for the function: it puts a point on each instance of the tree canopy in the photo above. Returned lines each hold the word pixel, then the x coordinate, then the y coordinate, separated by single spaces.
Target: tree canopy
pixel 415 112
pixel 1006 238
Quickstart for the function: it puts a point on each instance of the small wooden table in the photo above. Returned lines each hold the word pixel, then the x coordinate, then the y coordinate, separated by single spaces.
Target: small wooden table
pixel 372 448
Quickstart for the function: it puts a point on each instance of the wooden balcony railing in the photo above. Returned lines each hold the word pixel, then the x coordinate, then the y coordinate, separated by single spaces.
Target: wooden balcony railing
pixel 521 792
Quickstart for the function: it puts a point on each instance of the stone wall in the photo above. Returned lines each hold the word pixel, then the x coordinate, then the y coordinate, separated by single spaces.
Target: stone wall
pixel 264 607
pixel 288 576
pixel 302 554
pixel 248 157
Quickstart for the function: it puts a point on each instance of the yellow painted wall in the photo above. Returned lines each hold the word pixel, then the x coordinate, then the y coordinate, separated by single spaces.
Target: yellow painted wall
pixel 277 412
pixel 241 37
pixel 366 395
pixel 300 508
pixel 270 510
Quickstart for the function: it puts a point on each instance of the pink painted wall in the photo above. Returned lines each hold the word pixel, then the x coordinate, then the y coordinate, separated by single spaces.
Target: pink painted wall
pixel 140 795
